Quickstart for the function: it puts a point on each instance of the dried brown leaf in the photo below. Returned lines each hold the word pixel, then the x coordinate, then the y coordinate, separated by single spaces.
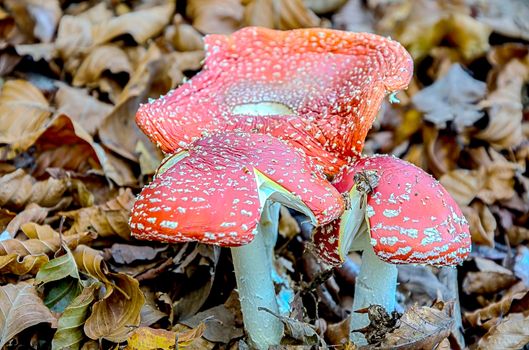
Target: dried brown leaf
pixel 114 315
pixel 496 309
pixel 512 332
pixel 150 338
pixel 482 223
pixel 21 308
pixel 31 213
pixel 90 261
pixel 185 37
pixel 42 240
pixel 295 14
pixel 18 189
pixel 420 328
pixel 29 264
pixel 38 18
pixel 452 98
pixel 65 144
pixel 104 58
pixel 504 107
pixel 141 25
pixel 24 113
pixel 108 219
pixel 506 17
pixel 487 282
pixel 81 107
pixel 463 184
pixel 259 13
pixel 214 16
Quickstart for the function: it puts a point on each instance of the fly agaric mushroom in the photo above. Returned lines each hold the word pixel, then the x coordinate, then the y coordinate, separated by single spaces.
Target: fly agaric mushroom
pixel 317 89
pixel 397 214
pixel 224 190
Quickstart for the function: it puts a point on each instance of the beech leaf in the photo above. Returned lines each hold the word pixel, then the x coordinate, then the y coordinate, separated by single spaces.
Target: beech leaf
pixel 20 308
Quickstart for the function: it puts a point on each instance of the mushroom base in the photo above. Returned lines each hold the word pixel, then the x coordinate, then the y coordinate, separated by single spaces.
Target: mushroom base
pixel 376 284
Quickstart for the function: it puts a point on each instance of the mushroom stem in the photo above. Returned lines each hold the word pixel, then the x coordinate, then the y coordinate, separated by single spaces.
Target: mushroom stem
pixel 253 264
pixel 376 284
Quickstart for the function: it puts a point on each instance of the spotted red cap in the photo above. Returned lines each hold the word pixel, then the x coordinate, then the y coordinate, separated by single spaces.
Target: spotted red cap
pixel 214 191
pixel 322 88
pixel 411 217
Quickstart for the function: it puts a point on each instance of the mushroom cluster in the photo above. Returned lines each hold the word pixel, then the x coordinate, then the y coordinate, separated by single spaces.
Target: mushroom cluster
pixel 271 117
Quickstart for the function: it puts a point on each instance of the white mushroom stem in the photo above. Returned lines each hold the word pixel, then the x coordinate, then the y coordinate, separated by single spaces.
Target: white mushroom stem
pixel 376 284
pixel 253 264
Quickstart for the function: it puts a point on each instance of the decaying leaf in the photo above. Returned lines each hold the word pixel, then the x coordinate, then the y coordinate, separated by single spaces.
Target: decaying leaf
pixel 109 58
pixel 420 328
pixel 69 332
pixel 29 264
pixel 214 16
pixel 507 17
pixel 108 219
pixel 113 316
pixel 452 99
pixel 491 278
pixel 24 112
pixel 298 330
pixel 18 189
pixel 516 295
pixel 21 308
pixel 482 223
pixel 512 332
pixel 504 107
pixel 150 338
pixel 81 107
pixel 42 240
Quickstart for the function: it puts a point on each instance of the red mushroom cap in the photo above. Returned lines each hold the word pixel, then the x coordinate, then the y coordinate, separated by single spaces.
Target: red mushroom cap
pixel 325 87
pixel 211 192
pixel 412 218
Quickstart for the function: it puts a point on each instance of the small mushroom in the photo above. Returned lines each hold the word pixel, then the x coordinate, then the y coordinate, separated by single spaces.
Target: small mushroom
pixel 317 89
pixel 224 189
pixel 396 214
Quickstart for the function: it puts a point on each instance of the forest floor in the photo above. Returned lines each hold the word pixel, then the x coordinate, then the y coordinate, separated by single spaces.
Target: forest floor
pixel 72 159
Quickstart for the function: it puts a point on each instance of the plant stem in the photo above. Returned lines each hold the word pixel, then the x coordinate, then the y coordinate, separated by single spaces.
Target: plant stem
pixel 376 284
pixel 253 264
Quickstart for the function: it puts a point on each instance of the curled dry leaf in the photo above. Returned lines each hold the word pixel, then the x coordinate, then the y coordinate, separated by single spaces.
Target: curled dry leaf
pixel 482 223
pixel 31 213
pixel 108 219
pixel 259 13
pixel 507 17
pixel 30 264
pixel 38 17
pixel 90 261
pixel 82 108
pixel 74 37
pixel 114 315
pixel 109 58
pixel 491 278
pixel 185 37
pixel 65 144
pixel 463 184
pixel 150 338
pixel 141 25
pixel 69 332
pixel 511 332
pixel 324 6
pixel 21 308
pixel 294 14
pixel 504 107
pixel 420 328
pixel 18 189
pixel 518 234
pixel 423 25
pixel 42 240
pixel 453 99
pixel 24 112
pixel 214 16
pixel 516 295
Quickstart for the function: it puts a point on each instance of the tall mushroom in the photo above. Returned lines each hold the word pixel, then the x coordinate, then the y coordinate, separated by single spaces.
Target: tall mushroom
pixel 221 190
pixel 397 214
pixel 317 89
